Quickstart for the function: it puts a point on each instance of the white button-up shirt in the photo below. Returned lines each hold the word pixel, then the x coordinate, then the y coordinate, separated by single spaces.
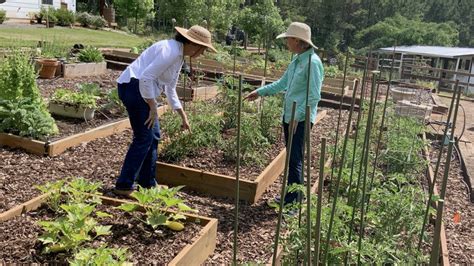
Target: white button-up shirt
pixel 157 68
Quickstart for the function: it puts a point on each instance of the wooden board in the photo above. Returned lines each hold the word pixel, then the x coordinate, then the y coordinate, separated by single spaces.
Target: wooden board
pixel 83 69
pixel 202 181
pixel 467 157
pixel 199 93
pixel 59 146
pixel 444 255
pixel 18 210
pixel 334 90
pixel 31 145
pixel 439 106
pixel 195 253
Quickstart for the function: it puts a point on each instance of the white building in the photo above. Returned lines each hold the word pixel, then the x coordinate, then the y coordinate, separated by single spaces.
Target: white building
pixel 436 63
pixel 22 8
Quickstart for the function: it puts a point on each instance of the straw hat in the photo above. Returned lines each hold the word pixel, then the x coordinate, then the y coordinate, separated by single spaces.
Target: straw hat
pixel 197 35
pixel 300 31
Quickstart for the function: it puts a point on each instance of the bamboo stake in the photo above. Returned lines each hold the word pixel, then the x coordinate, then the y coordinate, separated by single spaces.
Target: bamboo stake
pixel 382 123
pixel 306 139
pixel 262 100
pixel 440 153
pixel 439 212
pixel 285 178
pixel 338 123
pixel 237 175
pixel 184 90
pixel 308 185
pixel 317 238
pixel 339 176
pixel 356 137
pixel 365 162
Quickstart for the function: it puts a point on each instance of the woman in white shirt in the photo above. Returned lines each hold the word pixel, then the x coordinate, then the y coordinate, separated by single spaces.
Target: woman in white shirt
pixel 154 71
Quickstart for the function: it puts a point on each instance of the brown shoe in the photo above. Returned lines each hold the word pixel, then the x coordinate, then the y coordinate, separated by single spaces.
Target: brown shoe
pixel 125 193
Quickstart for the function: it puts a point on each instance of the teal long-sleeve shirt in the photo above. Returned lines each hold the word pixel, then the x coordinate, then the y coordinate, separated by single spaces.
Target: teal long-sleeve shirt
pixel 294 81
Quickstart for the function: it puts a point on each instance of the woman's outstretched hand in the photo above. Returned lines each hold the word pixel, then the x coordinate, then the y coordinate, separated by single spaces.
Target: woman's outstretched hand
pixel 251 96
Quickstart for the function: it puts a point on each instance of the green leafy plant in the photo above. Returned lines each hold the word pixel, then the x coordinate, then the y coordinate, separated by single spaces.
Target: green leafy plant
pixel 98 22
pixel 54 48
pixel 89 88
pixel 77 199
pixel 252 142
pixel 22 109
pixel 332 72
pixel 84 18
pixel 70 231
pixel 78 99
pixel 77 190
pixel 90 54
pixel 157 202
pixel 100 256
pixel 206 133
pixel 114 104
pixel 65 17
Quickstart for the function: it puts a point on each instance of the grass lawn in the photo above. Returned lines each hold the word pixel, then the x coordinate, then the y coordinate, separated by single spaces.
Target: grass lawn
pixel 19 36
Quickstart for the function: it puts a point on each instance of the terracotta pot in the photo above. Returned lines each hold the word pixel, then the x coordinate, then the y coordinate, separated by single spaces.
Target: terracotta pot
pixel 48 68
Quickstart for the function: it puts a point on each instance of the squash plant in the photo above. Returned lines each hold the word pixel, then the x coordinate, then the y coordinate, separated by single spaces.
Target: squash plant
pixel 77 200
pixel 22 110
pixel 157 202
pixel 100 256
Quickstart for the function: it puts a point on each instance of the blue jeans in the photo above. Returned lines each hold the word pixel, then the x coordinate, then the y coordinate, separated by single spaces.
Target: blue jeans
pixel 296 159
pixel 140 161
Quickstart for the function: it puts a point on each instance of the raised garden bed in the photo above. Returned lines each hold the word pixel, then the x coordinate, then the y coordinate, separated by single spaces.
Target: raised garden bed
pixel 55 147
pixel 74 70
pixel 224 185
pixel 17 222
pixel 204 91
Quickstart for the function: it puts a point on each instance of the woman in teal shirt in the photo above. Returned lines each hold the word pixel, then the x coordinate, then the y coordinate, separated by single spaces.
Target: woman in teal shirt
pixel 295 82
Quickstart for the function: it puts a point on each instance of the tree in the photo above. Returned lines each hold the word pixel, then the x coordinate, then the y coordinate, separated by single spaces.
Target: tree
pixel 135 9
pixel 403 31
pixel 261 21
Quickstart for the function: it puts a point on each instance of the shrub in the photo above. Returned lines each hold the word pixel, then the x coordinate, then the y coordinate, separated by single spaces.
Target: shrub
pixel 90 54
pixel 3 15
pixel 98 22
pixel 84 18
pixel 65 17
pixel 22 110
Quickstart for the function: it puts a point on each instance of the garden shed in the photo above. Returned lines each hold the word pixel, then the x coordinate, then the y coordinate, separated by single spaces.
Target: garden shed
pixel 441 64
pixel 22 8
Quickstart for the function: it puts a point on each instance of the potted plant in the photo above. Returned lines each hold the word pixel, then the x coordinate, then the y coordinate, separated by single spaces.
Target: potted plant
pixel 48 63
pixel 80 104
pixel 51 19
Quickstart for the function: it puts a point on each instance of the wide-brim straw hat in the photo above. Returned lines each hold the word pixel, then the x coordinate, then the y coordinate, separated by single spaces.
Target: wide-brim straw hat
pixel 300 31
pixel 197 35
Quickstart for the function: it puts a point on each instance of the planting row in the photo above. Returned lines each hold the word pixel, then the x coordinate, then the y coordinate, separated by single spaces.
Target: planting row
pixel 376 216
